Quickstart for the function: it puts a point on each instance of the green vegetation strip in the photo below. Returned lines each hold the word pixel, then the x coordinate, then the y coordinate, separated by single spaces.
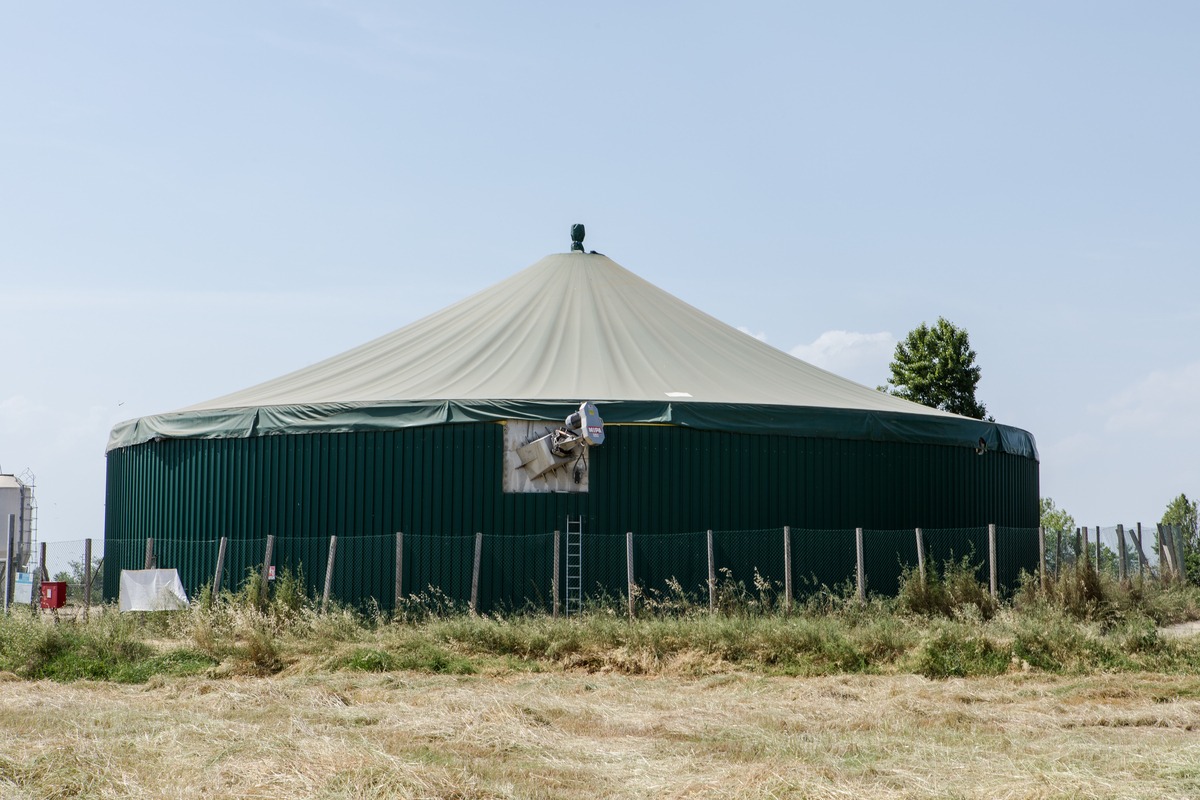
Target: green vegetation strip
pixel 947 626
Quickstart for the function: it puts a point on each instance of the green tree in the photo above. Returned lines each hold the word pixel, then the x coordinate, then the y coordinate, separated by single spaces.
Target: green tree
pixel 935 366
pixel 1060 533
pixel 73 577
pixel 1182 514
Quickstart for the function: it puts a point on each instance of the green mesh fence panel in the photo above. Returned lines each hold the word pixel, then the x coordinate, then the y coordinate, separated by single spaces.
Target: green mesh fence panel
pixel 945 547
pixel 1016 553
pixel 603 567
pixel 886 556
pixel 823 560
pixel 438 566
pixel 516 573
pixel 681 557
pixel 517 570
pixel 753 558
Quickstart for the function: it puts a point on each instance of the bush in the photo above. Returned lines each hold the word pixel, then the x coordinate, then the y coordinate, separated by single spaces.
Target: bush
pixel 946 593
pixel 959 651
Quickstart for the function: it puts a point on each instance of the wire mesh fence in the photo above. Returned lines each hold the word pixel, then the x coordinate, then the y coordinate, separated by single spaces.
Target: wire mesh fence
pixel 512 573
pixel 1122 551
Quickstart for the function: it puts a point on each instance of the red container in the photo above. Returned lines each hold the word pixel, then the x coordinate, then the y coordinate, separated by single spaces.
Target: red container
pixel 54 594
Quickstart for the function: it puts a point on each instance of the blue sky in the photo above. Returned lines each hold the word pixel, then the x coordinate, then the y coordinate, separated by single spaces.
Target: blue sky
pixel 198 197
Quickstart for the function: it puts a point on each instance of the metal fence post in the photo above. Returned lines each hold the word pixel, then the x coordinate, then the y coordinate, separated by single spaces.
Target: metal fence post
pixel 149 553
pixel 329 573
pixel 1099 560
pixel 860 577
pixel 992 559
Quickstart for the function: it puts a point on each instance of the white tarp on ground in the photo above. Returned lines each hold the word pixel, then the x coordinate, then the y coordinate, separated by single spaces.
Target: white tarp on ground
pixel 151 590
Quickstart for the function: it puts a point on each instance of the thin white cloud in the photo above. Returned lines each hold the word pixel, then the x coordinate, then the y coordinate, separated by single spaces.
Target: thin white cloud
pixel 861 356
pixel 17 415
pixel 381 64
pixel 113 299
pixel 761 335
pixel 1165 403
pixel 401 33
pixel 44 429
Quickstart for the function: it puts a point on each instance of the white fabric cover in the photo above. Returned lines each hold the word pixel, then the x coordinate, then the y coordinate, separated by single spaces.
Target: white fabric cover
pixel 574 326
pixel 151 590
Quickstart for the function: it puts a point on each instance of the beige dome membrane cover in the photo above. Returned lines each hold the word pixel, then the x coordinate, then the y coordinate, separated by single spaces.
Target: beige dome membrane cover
pixel 572 327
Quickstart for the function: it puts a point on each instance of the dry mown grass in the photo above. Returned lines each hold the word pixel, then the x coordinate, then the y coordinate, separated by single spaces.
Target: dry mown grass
pixel 565 735
pixel 1073 693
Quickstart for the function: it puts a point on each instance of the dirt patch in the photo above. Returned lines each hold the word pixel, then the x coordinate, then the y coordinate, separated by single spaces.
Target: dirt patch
pixel 1183 629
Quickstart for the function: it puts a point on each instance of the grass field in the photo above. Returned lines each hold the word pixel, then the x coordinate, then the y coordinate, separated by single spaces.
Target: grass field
pixel 1070 690
pixel 570 735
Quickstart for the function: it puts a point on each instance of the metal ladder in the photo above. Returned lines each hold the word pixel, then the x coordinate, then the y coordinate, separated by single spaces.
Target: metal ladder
pixel 574 566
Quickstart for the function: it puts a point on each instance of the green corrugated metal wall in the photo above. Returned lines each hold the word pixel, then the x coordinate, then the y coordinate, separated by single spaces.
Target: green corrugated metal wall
pixel 441 484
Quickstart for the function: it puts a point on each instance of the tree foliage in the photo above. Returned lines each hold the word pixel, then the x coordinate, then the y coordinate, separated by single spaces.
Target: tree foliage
pixel 1060 534
pixel 935 366
pixel 1182 514
pixel 1053 518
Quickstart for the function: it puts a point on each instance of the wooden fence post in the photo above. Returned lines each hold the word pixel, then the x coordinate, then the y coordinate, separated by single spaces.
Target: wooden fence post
pixel 1059 560
pixel 219 573
pixel 475 572
pixel 149 553
pixel 629 569
pixel 265 585
pixel 329 573
pixel 921 555
pixel 1041 557
pixel 87 577
pixel 1164 553
pixel 992 560
pixel 399 581
pixel 554 588
pixel 860 577
pixel 8 561
pixel 1122 554
pixel 1087 553
pixel 43 574
pixel 787 568
pixel 1180 555
pixel 712 577
pixel 1141 552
